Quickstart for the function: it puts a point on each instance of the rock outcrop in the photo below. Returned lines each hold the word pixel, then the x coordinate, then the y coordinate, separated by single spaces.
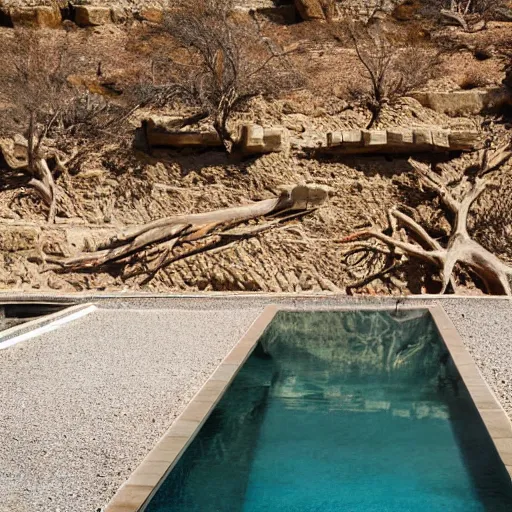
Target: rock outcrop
pixel 41 16
pixel 464 103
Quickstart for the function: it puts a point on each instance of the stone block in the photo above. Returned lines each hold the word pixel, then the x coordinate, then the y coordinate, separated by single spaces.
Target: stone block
pixel 334 139
pixel 352 136
pixel 464 103
pixel 42 16
pixel 463 140
pixel 375 138
pixel 400 136
pixel 441 138
pixel 92 16
pixel 254 139
pixel 422 136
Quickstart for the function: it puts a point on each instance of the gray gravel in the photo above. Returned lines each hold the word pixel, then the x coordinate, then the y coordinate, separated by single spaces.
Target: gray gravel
pixel 81 406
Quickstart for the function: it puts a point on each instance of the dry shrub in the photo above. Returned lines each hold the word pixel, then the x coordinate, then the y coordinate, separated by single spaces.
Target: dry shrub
pixel 473 79
pixel 216 59
pixel 389 71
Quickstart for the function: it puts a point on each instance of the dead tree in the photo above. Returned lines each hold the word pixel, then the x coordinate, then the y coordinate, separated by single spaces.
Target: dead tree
pixel 388 71
pixel 35 90
pixel 461 248
pixel 471 15
pixel 147 249
pixel 217 60
pixel 49 110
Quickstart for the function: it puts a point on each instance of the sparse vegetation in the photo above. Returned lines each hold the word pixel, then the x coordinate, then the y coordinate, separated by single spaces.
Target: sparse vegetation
pixel 218 62
pixel 290 103
pixel 389 71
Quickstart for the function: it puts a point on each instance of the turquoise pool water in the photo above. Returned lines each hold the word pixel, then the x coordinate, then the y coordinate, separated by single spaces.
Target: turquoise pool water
pixel 345 412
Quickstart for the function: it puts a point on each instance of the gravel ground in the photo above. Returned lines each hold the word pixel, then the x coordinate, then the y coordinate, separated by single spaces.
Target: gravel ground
pixel 81 406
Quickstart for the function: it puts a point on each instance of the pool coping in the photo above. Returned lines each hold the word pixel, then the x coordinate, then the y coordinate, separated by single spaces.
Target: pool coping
pixel 33 328
pixel 135 494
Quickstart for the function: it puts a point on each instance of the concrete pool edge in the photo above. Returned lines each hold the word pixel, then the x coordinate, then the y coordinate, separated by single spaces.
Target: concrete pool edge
pixel 136 493
pixel 493 415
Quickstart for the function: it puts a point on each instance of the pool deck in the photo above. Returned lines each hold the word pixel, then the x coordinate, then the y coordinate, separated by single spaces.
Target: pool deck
pixel 82 405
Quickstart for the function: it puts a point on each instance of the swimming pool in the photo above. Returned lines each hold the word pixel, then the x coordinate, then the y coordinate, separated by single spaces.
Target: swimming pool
pixel 346 411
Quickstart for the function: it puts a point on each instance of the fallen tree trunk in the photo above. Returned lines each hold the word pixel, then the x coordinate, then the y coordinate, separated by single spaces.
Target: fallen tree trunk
pixel 157 244
pixel 461 248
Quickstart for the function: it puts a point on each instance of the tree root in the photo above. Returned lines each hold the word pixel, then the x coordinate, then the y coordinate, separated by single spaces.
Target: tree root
pixel 461 248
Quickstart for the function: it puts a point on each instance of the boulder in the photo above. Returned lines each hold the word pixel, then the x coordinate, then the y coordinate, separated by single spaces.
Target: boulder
pixel 151 14
pixel 310 9
pixel 254 139
pixel 464 103
pixel 92 16
pixel 42 16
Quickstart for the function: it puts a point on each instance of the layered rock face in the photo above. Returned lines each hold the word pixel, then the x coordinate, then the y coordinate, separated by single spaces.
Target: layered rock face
pixel 464 103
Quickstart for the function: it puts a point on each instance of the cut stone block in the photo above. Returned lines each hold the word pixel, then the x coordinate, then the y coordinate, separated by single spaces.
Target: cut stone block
pixel 375 138
pixel 352 136
pixel 422 136
pixel 334 138
pixel 463 103
pixel 91 16
pixel 254 139
pixel 463 140
pixel 399 136
pixel 441 138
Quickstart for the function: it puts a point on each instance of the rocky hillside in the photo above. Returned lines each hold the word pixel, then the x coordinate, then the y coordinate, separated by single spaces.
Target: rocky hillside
pixel 120 182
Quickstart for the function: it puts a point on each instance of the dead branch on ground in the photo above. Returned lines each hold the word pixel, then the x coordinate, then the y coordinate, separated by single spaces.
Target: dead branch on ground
pixel 147 249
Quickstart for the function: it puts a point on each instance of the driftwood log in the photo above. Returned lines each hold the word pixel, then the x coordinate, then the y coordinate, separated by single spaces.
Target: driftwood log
pixel 146 249
pixel 461 248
